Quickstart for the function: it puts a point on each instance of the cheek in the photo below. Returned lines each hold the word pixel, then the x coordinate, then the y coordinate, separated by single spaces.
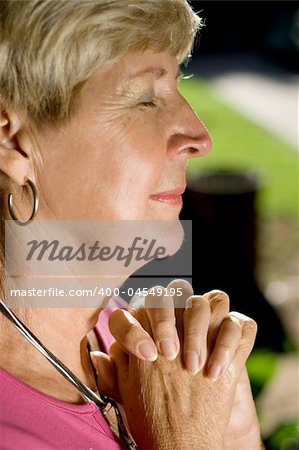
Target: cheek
pixel 108 172
pixel 137 156
pixel 147 147
pixel 134 178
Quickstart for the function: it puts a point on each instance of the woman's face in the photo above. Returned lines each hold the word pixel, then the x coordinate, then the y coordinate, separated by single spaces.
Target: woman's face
pixel 128 141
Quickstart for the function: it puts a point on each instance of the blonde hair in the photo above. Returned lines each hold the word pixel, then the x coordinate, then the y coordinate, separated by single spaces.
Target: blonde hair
pixel 49 48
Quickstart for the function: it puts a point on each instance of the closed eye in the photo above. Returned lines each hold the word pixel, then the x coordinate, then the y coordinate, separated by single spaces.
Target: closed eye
pixel 148 104
pixel 148 100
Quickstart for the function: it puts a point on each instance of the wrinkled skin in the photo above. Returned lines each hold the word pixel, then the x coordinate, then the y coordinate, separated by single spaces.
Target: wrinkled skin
pixel 163 399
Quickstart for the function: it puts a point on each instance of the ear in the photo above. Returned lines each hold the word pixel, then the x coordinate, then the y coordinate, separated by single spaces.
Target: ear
pixel 14 160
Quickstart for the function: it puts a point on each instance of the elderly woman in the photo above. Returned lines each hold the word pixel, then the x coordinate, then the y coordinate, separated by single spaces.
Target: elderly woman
pixel 93 124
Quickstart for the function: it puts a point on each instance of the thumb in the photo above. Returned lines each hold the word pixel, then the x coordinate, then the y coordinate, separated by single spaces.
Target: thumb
pixel 107 375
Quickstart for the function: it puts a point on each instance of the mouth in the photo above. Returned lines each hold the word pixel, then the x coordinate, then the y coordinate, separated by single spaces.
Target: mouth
pixel 173 197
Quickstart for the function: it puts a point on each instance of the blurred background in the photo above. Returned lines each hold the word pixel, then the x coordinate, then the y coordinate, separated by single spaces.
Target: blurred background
pixel 243 196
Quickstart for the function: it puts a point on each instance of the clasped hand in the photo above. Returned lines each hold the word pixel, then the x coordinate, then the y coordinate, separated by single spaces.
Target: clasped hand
pixel 184 363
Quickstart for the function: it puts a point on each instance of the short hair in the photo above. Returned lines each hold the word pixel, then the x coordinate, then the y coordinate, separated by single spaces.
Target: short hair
pixel 50 48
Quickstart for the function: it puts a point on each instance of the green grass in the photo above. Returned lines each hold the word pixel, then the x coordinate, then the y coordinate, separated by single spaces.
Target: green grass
pixel 239 143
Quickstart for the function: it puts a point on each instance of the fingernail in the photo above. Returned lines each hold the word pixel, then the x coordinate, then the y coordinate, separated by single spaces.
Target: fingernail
pixel 215 371
pixel 148 350
pixel 93 357
pixel 192 362
pixel 168 349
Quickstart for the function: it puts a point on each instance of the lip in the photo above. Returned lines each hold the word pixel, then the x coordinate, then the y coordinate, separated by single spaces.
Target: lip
pixel 173 197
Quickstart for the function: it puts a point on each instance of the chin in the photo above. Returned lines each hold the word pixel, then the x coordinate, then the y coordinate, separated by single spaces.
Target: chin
pixel 173 236
pixel 168 233
pixel 167 226
pixel 163 211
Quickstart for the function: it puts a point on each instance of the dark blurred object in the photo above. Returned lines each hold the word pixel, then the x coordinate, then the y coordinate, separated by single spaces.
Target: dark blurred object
pixel 270 29
pixel 221 206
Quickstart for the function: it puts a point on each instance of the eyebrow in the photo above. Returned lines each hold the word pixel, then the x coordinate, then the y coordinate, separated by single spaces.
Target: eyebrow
pixel 159 72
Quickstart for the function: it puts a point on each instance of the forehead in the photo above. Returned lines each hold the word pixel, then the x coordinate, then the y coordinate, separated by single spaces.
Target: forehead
pixel 132 66
pixel 110 84
pixel 139 63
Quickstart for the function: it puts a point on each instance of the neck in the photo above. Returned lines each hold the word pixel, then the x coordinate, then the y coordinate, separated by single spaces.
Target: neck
pixel 63 332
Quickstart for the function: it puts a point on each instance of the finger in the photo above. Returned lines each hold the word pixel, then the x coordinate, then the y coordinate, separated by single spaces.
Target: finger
pixel 107 377
pixel 130 335
pixel 227 343
pixel 120 360
pixel 180 290
pixel 249 330
pixel 161 314
pixel 219 304
pixel 196 325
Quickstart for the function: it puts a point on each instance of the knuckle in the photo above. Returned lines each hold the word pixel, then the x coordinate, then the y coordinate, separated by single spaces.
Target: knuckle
pixel 219 300
pixel 165 319
pixel 217 294
pixel 246 322
pixel 234 321
pixel 193 334
pixel 223 346
pixel 163 322
pixel 250 325
pixel 128 333
pixel 196 301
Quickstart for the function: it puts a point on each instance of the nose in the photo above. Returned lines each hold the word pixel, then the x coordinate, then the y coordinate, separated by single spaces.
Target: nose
pixel 189 136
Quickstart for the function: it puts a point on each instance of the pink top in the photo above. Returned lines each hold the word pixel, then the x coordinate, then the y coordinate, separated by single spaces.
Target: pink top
pixel 31 420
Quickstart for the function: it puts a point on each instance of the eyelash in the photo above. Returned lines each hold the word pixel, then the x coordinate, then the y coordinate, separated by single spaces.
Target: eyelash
pixel 150 104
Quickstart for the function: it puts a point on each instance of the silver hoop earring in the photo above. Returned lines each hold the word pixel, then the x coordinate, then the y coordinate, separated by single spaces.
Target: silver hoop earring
pixel 34 208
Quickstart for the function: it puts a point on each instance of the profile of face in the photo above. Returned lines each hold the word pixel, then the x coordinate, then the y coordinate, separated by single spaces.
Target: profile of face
pixel 126 145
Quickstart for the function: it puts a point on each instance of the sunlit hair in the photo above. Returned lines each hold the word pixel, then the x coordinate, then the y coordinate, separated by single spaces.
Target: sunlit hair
pixel 49 48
